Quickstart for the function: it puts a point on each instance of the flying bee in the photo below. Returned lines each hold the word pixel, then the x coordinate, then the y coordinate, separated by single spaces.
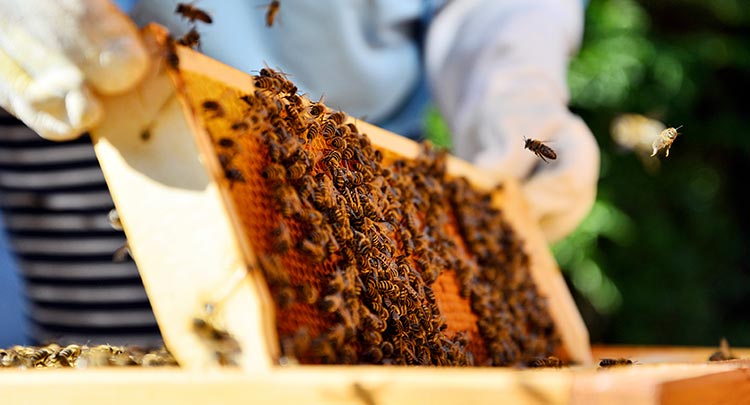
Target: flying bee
pixel 665 140
pixel 540 149
pixel 191 39
pixel 615 362
pixel 271 10
pixel 213 107
pixel 192 13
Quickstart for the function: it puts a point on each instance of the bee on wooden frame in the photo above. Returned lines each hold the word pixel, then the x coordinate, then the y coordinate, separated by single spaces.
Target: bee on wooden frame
pixel 665 140
pixel 615 362
pixel 550 361
pixel 539 149
pixel 213 107
pixel 191 39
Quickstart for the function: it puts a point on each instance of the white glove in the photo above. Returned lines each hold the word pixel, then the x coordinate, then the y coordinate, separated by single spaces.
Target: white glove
pixel 55 55
pixel 498 72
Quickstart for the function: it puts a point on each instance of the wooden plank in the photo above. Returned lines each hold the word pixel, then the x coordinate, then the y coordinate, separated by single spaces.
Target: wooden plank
pixel 301 385
pixel 176 222
pixel 638 384
pixel 644 384
pixel 730 387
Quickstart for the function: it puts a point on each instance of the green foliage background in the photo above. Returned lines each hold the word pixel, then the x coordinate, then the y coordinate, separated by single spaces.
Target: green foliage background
pixel 663 256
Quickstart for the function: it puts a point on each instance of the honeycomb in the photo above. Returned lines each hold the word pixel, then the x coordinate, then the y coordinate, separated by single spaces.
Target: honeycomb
pixel 370 258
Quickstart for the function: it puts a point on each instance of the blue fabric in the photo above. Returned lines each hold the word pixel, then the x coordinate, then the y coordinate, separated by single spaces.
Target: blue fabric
pixel 12 302
pixel 126 5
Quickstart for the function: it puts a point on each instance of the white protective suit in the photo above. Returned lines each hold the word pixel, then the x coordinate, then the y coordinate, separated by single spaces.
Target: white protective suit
pixel 496 69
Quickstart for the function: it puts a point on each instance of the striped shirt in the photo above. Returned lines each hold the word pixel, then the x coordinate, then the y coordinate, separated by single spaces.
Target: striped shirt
pixel 55 203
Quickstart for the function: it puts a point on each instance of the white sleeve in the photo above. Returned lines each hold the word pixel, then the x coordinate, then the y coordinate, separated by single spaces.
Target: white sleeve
pixel 481 53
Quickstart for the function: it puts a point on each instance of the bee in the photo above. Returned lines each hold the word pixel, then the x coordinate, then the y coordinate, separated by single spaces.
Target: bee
pixel 267 83
pixel 240 126
pixel 282 238
pixel 312 131
pixel 665 140
pixel 233 175
pixel 615 362
pixel 41 357
pixel 122 253
pixel 550 361
pixel 158 359
pixel 317 253
pixel 332 302
pixel 213 107
pixel 274 171
pixel 171 49
pixel 67 356
pixel 191 39
pixel 338 117
pixel 192 13
pixel 338 143
pixel 296 170
pixel 308 293
pixel 145 135
pixel 333 158
pixel 317 109
pixel 374 354
pixel 226 142
pixel 724 353
pixel 225 347
pixel 271 10
pixel 540 149
pixel 329 129
pixel 249 100
pixel 387 349
pixel 10 358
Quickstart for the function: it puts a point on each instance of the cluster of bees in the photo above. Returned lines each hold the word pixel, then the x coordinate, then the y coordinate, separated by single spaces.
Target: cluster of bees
pixel 357 247
pixel 55 356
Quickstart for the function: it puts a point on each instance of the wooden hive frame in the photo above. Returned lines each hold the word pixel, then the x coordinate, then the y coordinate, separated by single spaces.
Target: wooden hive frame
pixel 182 229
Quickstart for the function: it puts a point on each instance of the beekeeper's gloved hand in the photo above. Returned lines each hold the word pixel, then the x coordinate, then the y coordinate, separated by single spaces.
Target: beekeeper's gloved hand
pixel 498 71
pixel 57 55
